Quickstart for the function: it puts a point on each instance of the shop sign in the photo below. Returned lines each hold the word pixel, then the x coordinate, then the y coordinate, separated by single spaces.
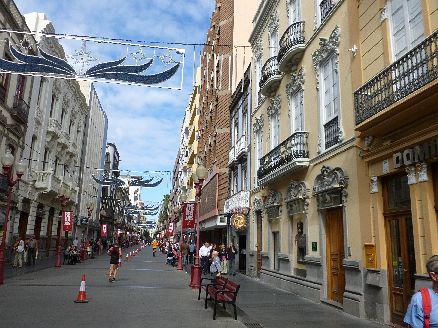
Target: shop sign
pixel 238 221
pixel 104 231
pixel 189 215
pixel 67 221
pixel 417 154
pixel 83 221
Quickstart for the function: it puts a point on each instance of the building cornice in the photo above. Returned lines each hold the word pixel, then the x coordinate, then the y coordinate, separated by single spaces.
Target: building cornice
pixel 261 18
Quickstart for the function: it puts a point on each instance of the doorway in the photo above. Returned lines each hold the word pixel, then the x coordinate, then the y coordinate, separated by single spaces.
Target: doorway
pixel 259 242
pixel 335 254
pixel 276 239
pixel 242 253
pixel 399 244
pixel 49 231
pixel 22 225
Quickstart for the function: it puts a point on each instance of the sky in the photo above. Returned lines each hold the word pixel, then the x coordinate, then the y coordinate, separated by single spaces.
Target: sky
pixel 144 122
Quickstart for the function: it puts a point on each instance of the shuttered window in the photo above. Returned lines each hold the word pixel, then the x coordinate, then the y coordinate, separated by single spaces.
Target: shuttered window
pixel 407 27
pixel 297 115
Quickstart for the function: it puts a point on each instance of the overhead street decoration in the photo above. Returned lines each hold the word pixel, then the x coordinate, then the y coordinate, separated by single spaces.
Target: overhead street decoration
pixel 131 61
pixel 139 182
pixel 109 181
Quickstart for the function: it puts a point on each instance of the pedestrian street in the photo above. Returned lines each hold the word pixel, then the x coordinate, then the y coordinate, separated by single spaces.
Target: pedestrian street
pixel 148 292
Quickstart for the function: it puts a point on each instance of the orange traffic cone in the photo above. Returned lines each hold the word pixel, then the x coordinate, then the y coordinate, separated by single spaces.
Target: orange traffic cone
pixel 82 296
pixel 126 258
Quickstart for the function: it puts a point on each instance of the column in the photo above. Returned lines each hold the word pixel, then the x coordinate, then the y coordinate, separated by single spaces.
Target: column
pixel 31 219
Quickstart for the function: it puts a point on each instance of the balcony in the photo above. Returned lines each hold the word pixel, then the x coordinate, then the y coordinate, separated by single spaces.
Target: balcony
pixel 292 46
pixel 412 78
pixel 271 77
pixel 231 156
pixel 47 181
pixel 237 202
pixel 241 147
pixel 20 111
pixel 54 128
pixel 331 133
pixel 326 6
pixel 291 155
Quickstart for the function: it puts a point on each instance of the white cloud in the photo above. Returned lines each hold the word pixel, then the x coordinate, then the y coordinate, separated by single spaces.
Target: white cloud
pixel 144 123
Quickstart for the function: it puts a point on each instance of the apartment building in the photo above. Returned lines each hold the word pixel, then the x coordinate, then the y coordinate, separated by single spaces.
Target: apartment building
pixel 344 197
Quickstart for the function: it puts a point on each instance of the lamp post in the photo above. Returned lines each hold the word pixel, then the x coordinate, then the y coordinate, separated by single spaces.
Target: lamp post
pixel 198 178
pixel 182 199
pixel 63 197
pixel 8 161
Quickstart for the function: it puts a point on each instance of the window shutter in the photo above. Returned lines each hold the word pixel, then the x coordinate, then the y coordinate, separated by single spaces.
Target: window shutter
pixel 415 21
pixel 400 41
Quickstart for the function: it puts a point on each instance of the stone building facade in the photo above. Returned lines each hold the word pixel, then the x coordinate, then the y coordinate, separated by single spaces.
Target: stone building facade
pixel 344 201
pixel 221 69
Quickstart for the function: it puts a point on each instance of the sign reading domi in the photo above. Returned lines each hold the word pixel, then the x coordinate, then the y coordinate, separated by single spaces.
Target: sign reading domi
pixel 417 154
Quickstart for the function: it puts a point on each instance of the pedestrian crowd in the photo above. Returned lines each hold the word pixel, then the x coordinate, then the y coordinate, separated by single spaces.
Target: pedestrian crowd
pixel 218 259
pixel 25 251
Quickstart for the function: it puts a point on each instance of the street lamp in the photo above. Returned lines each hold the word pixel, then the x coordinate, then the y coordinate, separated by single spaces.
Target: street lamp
pixel 198 178
pixel 182 200
pixel 63 197
pixel 8 161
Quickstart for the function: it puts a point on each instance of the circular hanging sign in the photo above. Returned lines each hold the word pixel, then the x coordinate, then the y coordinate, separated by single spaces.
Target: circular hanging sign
pixel 239 221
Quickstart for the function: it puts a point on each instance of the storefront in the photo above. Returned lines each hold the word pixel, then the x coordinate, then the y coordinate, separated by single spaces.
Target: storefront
pixel 404 190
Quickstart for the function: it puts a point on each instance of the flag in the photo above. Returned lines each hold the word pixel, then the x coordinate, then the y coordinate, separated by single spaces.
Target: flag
pixel 67 221
pixel 189 216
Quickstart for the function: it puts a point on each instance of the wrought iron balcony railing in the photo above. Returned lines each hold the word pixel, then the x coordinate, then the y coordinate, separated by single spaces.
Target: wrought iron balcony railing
pixel 289 151
pixel 293 36
pixel 406 75
pixel 331 132
pixel 269 71
pixel 20 110
pixel 326 7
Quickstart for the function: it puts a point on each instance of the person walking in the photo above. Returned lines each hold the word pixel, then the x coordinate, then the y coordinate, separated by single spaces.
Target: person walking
pixel 223 256
pixel 204 254
pixel 31 250
pixel 116 253
pixel 19 253
pixel 231 255
pixel 154 247
pixel 426 300
pixel 192 249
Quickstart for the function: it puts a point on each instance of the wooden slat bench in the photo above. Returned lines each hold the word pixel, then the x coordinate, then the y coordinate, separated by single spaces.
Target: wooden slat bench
pixel 219 281
pixel 222 294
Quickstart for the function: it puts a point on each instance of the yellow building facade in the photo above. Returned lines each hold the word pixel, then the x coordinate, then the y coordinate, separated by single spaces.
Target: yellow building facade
pixel 317 224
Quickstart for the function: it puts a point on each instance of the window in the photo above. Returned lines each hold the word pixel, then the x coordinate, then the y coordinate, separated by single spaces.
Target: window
pixel 244 178
pixel 296 110
pixel 4 81
pixel 294 11
pixel 56 166
pixel 258 149
pixel 32 155
pixel 244 122
pixel 235 182
pixel 46 159
pixel 407 27
pixel 273 43
pixel 235 130
pixel 52 107
pixel 275 130
pixel 258 76
pixel 330 101
pixel 19 91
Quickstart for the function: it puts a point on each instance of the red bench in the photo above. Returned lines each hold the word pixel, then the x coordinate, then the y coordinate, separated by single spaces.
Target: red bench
pixel 219 281
pixel 222 294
